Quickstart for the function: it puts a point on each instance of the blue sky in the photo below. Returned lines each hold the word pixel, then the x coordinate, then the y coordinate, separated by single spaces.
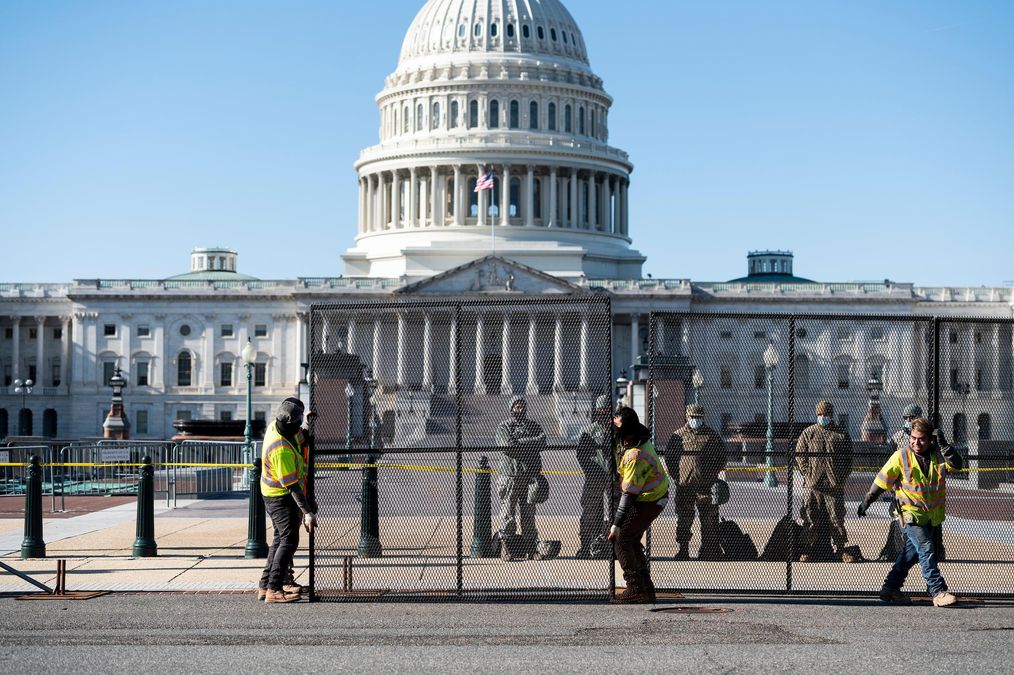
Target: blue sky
pixel 871 137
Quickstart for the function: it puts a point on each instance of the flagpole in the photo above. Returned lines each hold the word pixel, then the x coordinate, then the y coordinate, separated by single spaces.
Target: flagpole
pixel 492 222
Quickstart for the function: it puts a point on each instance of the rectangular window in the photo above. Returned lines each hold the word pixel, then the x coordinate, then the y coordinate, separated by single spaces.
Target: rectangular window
pixel 225 330
pixel 7 375
pixel 33 373
pixel 954 379
pixel 142 374
pixel 141 422
pixel 260 374
pixel 225 375
pixel 184 415
pixel 144 330
pixel 109 330
pixel 261 330
pixel 978 379
pixel 32 333
pixel 108 368
pixel 260 416
pixel 726 378
pixel 8 333
pixel 759 334
pixel 978 338
pixel 876 333
pixel 225 416
pixel 760 418
pixel 57 333
pixel 843 376
pixel 55 371
pixel 725 335
pixel 954 337
pixel 843 421
pixel 759 376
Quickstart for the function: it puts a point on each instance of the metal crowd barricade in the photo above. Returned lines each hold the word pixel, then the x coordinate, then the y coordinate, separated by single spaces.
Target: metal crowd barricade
pixel 13 459
pixel 207 468
pixel 107 467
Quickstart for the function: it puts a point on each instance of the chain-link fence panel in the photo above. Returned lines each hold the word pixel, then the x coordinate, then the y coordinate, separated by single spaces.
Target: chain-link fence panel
pixel 449 452
pixel 765 384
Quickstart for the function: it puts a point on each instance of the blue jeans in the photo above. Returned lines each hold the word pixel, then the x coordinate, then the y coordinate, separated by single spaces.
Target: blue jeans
pixel 918 549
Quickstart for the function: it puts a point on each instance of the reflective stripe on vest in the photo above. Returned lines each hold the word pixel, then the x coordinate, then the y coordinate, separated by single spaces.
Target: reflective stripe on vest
pixel 274 484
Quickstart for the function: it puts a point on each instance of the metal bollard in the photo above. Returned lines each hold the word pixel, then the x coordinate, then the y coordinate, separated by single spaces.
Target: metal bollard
pixel 144 543
pixel 33 546
pixel 256 530
pixel 482 524
pixel 369 516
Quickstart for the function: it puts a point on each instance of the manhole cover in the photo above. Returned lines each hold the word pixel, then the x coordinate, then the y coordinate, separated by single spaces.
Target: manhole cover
pixel 693 610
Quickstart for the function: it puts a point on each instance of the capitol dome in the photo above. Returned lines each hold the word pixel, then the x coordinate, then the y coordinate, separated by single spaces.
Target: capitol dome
pixel 502 88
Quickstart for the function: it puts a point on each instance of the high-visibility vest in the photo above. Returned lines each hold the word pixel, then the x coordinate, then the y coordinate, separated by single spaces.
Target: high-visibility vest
pixel 282 465
pixel 923 495
pixel 641 472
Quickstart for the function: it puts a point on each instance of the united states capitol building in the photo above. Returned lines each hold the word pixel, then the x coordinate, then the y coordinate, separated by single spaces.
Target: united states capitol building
pixel 504 87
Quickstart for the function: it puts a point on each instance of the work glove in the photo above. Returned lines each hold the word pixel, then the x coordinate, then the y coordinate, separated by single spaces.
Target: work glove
pixel 861 511
pixel 614 531
pixel 938 436
pixel 310 521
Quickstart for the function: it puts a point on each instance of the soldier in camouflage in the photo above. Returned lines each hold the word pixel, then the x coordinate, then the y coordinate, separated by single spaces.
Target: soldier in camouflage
pixel 523 441
pixel 899 441
pixel 593 448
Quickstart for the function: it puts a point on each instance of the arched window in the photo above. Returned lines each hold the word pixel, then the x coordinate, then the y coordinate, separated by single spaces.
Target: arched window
pixel 552 117
pixel 478 30
pixel 473 198
pixel 510 30
pixel 515 207
pixel 564 33
pixel 435 124
pixel 419 116
pixel 960 429
pixel 25 422
pixel 552 34
pixel 526 31
pixel 473 114
pixel 580 121
pixel 405 121
pixel 541 32
pixel 843 367
pixel 985 427
pixel 515 120
pixel 49 423
pixel 454 114
pixel 494 114
pixel 184 370
pixel 461 31
pixel 533 115
pixel 494 29
pixel 4 423
pixel 493 204
pixel 568 124
pixel 594 128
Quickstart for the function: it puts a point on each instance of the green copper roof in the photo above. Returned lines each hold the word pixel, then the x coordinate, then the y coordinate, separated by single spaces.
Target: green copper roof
pixel 771 278
pixel 214 275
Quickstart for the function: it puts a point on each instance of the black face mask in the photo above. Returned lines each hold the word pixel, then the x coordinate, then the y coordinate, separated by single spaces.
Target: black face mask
pixel 518 415
pixel 287 428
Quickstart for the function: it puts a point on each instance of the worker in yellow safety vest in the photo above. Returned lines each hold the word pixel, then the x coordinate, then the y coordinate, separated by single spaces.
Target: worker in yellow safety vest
pixel 284 461
pixel 915 473
pixel 644 492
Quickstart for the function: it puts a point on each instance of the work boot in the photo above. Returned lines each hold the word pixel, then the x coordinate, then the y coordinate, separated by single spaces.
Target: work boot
pixel 290 586
pixel 261 593
pixel 848 557
pixel 634 595
pixel 893 596
pixel 944 599
pixel 806 557
pixel 280 596
pixel 649 586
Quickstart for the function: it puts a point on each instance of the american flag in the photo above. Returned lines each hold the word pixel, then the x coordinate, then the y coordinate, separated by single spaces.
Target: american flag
pixel 485 182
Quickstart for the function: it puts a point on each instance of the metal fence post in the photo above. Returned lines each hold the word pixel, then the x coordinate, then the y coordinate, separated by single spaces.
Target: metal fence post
pixel 482 525
pixel 33 546
pixel 144 544
pixel 256 528
pixel 369 517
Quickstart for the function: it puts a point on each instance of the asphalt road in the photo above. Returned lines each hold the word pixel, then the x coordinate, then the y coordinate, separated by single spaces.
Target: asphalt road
pixel 222 634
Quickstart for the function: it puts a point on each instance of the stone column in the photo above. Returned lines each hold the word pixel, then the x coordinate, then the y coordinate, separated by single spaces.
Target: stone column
pixel 614 188
pixel 40 350
pixel 400 372
pixel 360 217
pixel 208 365
pixel 533 378
pixel 625 213
pixel 583 382
pixel 423 199
pixel 459 207
pixel 376 350
pixel 605 223
pixel 413 192
pixel 480 374
pixel 452 353
pixel 635 338
pixel 505 196
pixel 65 352
pixel 530 197
pixel 593 216
pixel 558 354
pixel 375 203
pixel 436 213
pixel 427 347
pixel 575 222
pixel 352 338
pixel 396 223
pixel 506 388
pixel 16 348
pixel 553 205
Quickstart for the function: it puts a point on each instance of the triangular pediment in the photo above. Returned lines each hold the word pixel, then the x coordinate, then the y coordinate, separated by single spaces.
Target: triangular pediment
pixel 493 274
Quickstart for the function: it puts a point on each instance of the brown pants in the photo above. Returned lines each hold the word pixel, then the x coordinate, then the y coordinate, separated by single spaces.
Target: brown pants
pixel 825 516
pixel 687 499
pixel 629 551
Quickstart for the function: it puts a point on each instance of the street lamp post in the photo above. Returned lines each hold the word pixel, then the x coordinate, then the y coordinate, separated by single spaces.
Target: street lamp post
pixel 621 388
pixel 698 381
pixel 249 355
pixel 770 363
pixel 369 518
pixel 23 387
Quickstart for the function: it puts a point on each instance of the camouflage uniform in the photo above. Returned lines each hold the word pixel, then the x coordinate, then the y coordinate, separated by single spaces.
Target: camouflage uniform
pixel 825 468
pixel 695 457
pixel 593 449
pixel 520 467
